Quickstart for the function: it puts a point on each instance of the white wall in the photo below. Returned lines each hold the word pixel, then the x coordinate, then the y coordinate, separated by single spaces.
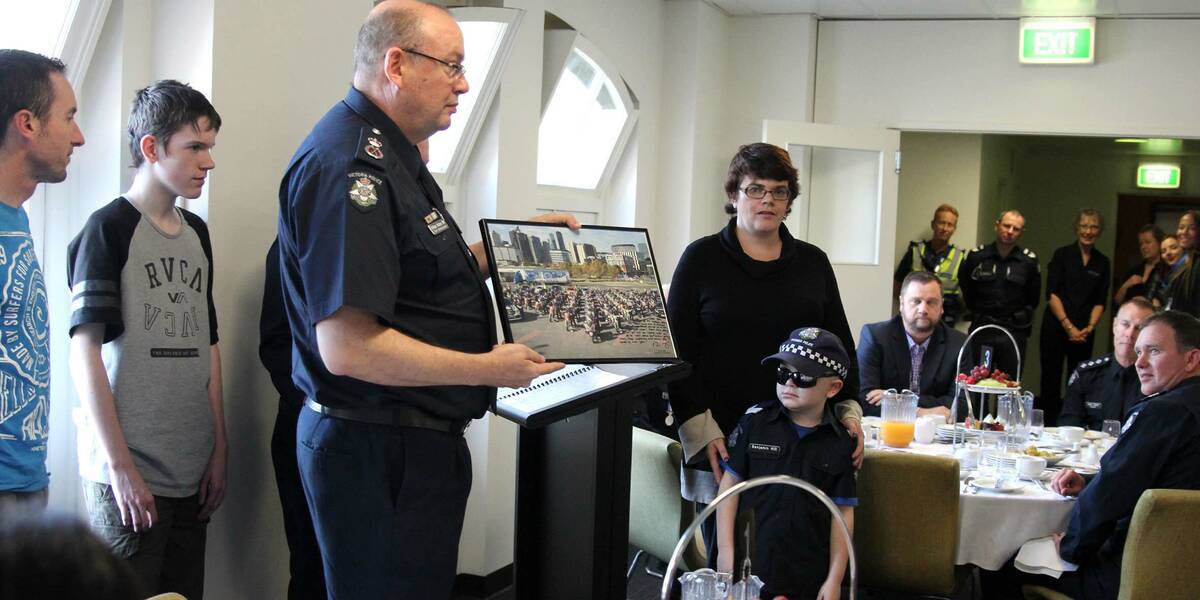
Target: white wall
pixel 937 169
pixel 276 70
pixel 964 76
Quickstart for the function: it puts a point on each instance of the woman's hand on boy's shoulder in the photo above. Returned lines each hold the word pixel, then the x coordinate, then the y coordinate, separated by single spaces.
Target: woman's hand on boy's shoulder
pixel 854 427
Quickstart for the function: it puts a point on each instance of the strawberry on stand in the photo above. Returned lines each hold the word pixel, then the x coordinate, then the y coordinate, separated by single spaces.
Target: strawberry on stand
pixel 982 376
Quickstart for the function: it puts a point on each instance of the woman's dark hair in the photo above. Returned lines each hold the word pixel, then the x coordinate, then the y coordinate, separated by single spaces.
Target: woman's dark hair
pixel 764 161
pixel 161 109
pixel 59 557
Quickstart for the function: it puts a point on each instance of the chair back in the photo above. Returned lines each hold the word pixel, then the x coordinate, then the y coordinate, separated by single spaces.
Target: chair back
pixel 1162 550
pixel 658 514
pixel 906 522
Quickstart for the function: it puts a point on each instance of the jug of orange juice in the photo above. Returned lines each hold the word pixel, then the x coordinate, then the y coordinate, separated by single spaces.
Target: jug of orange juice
pixel 899 411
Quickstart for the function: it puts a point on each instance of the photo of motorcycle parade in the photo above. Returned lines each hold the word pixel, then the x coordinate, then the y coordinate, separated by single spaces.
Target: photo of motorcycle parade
pixel 586 296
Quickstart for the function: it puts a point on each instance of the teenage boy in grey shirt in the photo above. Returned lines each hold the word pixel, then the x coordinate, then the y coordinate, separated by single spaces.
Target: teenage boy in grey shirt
pixel 144 349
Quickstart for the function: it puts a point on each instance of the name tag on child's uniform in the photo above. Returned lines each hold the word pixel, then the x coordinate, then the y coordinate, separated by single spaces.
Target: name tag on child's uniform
pixel 435 222
pixel 766 450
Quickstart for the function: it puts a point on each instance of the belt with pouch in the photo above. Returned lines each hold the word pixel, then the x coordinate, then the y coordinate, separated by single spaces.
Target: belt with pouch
pixel 397 416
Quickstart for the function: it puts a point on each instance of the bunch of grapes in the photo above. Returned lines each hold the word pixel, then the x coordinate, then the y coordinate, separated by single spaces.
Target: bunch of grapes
pixel 978 373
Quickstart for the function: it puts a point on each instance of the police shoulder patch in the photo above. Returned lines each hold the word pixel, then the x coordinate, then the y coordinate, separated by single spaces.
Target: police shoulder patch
pixel 364 190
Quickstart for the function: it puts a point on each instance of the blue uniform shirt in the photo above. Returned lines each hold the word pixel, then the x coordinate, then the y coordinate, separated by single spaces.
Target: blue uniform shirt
pixel 24 358
pixel 1159 448
pixel 362 224
pixel 792 528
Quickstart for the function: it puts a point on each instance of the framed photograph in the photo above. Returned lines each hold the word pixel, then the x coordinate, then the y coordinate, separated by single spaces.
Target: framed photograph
pixel 587 296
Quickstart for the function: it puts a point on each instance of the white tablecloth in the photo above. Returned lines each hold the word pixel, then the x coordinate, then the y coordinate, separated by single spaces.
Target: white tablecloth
pixel 992 525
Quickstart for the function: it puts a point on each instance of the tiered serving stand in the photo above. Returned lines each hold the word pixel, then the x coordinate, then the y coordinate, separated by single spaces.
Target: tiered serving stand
pixel 963 390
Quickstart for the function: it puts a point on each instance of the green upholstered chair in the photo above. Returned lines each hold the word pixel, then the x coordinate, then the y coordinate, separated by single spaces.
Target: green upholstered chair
pixel 906 523
pixel 1162 550
pixel 658 514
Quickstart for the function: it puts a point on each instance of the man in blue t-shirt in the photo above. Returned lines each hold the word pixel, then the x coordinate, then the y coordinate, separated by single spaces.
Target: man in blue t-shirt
pixel 37 134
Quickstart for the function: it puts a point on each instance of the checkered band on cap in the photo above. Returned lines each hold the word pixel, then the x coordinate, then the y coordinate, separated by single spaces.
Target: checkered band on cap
pixel 816 357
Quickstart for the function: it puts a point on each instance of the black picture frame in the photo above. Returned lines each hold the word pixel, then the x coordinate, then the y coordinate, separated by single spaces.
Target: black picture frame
pixel 618 312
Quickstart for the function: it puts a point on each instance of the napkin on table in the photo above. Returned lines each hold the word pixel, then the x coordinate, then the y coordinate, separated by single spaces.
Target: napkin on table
pixel 1040 557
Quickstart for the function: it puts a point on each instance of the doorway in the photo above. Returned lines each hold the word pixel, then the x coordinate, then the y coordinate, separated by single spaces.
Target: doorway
pixel 1049 179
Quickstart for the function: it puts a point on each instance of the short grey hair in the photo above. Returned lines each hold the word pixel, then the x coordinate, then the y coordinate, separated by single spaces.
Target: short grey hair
pixel 393 27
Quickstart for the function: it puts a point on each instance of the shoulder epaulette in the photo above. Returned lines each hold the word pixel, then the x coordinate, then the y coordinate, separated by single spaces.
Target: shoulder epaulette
pixel 371 145
pixel 978 248
pixel 1088 365
pixel 1029 253
pixel 754 409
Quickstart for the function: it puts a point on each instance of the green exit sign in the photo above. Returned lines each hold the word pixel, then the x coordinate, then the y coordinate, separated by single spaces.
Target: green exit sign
pixel 1058 41
pixel 1163 177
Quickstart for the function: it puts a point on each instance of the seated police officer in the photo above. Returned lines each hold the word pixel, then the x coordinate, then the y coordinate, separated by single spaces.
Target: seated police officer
pixel 1002 285
pixel 1107 387
pixel 938 256
pixel 392 326
pixel 914 350
pixel 1159 447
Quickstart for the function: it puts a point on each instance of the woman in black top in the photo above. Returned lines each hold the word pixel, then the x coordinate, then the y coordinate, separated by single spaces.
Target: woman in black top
pixel 1184 291
pixel 734 297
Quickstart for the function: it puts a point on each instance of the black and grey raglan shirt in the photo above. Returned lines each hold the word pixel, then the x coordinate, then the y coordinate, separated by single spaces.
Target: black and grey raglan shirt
pixel 153 294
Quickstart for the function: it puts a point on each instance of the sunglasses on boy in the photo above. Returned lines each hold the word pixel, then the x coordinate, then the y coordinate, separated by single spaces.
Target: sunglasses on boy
pixel 800 380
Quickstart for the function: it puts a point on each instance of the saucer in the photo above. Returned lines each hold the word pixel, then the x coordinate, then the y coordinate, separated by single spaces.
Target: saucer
pixel 1003 486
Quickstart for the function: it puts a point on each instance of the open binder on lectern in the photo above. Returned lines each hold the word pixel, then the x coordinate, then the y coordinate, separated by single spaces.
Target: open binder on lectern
pixel 590 298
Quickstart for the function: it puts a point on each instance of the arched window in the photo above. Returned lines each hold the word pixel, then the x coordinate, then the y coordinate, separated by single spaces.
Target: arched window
pixel 487 38
pixel 586 121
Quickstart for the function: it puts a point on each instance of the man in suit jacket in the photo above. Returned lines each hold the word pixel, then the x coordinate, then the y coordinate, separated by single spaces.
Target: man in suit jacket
pixel 888 350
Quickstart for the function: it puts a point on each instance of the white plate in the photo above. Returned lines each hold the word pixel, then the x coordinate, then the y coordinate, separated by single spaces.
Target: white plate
pixel 1003 486
pixel 987 389
pixel 1094 435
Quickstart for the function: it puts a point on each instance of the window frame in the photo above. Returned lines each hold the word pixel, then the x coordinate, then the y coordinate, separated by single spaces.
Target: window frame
pixel 624 95
pixel 485 90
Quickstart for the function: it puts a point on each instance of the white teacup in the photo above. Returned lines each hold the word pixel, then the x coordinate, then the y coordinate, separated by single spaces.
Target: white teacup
pixel 925 428
pixel 1088 455
pixel 968 458
pixel 1070 434
pixel 1030 467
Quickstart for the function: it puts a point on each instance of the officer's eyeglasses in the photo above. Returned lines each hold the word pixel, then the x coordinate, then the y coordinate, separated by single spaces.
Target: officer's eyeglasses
pixel 798 379
pixel 759 192
pixel 456 69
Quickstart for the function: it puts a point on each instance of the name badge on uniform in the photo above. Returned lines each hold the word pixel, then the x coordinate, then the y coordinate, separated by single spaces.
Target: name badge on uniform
pixel 765 450
pixel 435 222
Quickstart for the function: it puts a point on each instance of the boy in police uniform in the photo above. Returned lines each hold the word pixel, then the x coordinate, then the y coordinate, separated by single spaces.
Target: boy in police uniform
pixel 799 552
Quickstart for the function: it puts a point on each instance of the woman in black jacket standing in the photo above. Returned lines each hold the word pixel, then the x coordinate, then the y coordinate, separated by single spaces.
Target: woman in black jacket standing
pixel 734 296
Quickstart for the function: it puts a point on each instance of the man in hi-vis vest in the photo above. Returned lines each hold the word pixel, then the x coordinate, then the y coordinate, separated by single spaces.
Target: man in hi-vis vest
pixel 938 256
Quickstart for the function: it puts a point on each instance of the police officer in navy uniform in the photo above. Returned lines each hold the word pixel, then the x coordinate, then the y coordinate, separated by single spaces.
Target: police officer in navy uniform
pixel 938 256
pixel 1001 284
pixel 392 325
pixel 1108 387
pixel 1159 447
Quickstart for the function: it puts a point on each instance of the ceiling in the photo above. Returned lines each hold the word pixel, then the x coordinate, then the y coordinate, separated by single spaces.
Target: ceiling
pixel 965 9
pixel 1102 146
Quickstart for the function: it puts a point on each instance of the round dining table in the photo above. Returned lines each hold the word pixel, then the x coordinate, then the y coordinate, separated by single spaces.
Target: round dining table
pixel 992 526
